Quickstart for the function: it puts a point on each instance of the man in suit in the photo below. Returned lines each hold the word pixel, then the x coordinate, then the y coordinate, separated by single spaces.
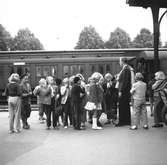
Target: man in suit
pixel 124 86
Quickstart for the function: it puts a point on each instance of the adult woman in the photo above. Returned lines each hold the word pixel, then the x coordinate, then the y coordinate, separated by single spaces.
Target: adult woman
pixel 25 101
pixel 13 92
pixel 158 102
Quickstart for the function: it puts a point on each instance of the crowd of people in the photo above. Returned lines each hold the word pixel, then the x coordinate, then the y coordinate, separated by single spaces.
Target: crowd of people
pixel 74 101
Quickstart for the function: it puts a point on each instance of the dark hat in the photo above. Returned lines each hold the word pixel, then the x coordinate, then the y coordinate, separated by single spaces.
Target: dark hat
pixel 76 79
pixel 58 81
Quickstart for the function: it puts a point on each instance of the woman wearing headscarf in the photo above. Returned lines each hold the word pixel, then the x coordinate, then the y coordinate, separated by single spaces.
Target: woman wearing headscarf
pixel 158 102
pixel 25 101
pixel 13 92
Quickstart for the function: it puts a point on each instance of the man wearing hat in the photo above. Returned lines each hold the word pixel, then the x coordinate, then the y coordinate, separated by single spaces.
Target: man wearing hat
pixel 124 86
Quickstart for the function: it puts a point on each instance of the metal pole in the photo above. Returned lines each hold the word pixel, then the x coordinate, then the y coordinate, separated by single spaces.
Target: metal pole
pixel 155 14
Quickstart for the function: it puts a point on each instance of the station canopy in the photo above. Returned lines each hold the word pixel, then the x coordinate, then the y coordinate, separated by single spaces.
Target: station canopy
pixel 147 3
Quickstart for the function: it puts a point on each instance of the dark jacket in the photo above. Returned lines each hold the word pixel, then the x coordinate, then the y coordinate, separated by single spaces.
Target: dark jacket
pixel 13 89
pixel 75 93
pixel 125 80
pixel 95 94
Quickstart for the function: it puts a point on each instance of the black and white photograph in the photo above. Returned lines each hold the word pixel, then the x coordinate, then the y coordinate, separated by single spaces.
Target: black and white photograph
pixel 83 82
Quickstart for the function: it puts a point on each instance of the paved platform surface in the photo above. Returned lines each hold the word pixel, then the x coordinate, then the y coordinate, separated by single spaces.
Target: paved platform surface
pixel 110 146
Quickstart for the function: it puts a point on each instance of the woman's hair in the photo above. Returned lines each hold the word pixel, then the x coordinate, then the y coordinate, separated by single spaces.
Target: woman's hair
pixel 14 77
pixel 160 75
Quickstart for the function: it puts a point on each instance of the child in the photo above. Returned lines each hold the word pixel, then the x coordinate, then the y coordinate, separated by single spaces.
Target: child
pixel 95 98
pixel 111 98
pixel 44 94
pixel 65 91
pixel 150 93
pixel 54 98
pixel 77 94
pixel 138 92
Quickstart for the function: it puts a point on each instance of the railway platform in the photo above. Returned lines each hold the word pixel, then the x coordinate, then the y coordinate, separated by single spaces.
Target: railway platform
pixel 110 146
pixel 4 108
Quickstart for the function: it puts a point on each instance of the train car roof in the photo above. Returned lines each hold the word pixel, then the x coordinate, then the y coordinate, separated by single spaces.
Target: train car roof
pixel 149 55
pixel 67 54
pixel 63 60
pixel 73 52
pixel 42 54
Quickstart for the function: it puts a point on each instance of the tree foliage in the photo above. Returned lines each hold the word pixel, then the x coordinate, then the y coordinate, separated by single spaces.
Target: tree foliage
pixel 25 40
pixel 89 39
pixel 165 46
pixel 118 39
pixel 5 39
pixel 144 39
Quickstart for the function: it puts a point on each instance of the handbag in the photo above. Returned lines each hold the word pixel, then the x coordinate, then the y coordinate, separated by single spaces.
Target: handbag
pixel 58 110
pixel 103 118
pixel 90 106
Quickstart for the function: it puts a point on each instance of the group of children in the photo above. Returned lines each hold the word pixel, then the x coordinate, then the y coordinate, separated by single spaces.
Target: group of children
pixel 71 99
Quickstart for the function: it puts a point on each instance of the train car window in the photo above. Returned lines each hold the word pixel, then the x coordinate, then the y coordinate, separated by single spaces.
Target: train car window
pixel 11 70
pixel 65 70
pixel 20 70
pixel 117 68
pixel 108 68
pixel 54 71
pixel 101 69
pixel 81 69
pixel 38 71
pixel 46 71
pixel 27 70
pixel 92 68
pixel 73 69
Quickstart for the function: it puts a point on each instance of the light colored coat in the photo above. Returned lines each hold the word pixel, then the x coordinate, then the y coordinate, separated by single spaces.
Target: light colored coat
pixel 139 90
pixel 65 93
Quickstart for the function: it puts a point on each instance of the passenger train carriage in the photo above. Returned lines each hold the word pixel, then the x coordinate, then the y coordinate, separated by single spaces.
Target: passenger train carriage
pixel 60 64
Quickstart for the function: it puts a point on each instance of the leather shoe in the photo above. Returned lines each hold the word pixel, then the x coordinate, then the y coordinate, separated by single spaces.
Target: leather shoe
pixel 157 125
pixel 145 127
pixel 118 125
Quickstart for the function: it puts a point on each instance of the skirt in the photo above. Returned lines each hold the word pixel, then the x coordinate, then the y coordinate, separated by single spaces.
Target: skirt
pixel 91 106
